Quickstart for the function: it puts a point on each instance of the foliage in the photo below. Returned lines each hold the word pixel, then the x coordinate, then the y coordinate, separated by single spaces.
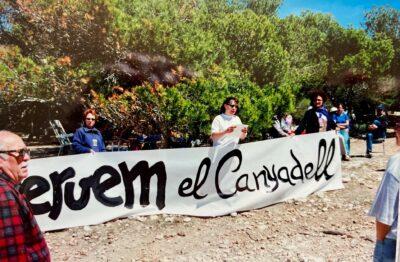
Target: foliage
pixel 37 91
pixel 73 28
pixel 384 22
pixel 149 66
pixel 191 106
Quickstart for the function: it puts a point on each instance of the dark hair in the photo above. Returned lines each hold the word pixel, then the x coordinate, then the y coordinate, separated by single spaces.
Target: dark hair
pixel 89 111
pixel 315 93
pixel 337 104
pixel 226 102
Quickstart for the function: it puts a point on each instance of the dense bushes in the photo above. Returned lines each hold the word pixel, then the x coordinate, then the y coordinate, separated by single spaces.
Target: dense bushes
pixel 150 66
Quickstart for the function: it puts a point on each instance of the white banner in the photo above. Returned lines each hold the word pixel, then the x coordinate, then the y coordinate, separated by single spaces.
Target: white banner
pixel 87 189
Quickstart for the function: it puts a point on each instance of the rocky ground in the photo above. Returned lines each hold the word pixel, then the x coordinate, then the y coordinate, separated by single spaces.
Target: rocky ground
pixel 330 226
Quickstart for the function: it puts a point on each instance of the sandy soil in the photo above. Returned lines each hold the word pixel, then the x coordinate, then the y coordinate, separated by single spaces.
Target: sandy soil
pixel 330 226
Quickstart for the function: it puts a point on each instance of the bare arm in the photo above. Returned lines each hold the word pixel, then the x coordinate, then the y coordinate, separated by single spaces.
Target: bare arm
pixel 218 135
pixel 244 133
pixel 381 230
pixel 343 125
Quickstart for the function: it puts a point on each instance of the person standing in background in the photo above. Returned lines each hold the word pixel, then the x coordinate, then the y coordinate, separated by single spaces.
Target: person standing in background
pixel 88 139
pixel 342 121
pixel 317 118
pixel 226 122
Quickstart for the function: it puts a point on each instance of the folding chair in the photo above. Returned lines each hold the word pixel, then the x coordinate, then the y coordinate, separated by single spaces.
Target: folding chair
pixel 381 140
pixel 61 135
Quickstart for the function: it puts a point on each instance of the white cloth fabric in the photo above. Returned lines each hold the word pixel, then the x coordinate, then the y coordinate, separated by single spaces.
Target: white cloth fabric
pixel 221 123
pixel 323 122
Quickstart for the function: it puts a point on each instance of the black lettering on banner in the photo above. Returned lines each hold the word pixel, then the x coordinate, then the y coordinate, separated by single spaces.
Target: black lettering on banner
pixel 329 157
pixel 145 172
pixel 286 178
pixel 187 182
pixel 297 166
pixel 79 204
pixel 57 180
pixel 36 186
pixel 33 187
pixel 331 153
pixel 233 153
pixel 308 170
pixel 272 177
pixel 246 186
pixel 264 175
pixel 100 187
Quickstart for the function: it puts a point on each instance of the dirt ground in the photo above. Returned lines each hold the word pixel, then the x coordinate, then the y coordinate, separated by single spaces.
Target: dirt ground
pixel 330 226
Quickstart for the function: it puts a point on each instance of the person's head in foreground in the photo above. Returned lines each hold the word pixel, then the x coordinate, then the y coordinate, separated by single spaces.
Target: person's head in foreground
pixel 14 156
pixel 21 237
pixel 230 106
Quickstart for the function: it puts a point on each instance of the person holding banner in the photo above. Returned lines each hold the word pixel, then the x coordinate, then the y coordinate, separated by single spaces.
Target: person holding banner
pixel 224 125
pixel 20 235
pixel 88 139
pixel 385 208
pixel 317 118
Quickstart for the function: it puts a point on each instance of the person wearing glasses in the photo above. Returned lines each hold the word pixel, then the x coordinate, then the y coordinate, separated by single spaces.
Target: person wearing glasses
pixel 317 118
pixel 20 235
pixel 226 122
pixel 88 139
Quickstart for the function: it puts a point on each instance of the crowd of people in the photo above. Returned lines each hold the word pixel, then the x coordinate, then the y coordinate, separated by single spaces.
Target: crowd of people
pixel 88 139
pixel 318 119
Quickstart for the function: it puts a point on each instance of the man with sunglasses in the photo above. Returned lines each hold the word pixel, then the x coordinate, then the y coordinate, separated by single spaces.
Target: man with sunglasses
pixel 88 139
pixel 20 235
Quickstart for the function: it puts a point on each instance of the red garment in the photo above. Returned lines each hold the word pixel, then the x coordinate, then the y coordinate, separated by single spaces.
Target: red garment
pixel 20 235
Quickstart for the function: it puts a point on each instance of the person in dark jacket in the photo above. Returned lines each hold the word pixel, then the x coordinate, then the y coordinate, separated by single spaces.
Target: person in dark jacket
pixel 317 118
pixel 88 139
pixel 377 129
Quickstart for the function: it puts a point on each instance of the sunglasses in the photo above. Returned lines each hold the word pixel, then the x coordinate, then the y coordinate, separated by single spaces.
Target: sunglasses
pixel 90 118
pixel 233 105
pixel 19 153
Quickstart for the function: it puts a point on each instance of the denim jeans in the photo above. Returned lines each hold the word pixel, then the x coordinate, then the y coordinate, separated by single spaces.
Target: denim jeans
pixel 385 250
pixel 346 140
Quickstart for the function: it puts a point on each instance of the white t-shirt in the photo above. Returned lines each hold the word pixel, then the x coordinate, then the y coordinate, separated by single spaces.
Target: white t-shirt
pixel 221 123
pixel 323 122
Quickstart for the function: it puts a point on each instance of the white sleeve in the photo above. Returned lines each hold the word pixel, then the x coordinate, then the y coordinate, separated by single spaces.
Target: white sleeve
pixel 216 125
pixel 239 122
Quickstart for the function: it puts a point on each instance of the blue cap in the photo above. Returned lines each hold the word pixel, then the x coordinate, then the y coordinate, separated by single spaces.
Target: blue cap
pixel 380 107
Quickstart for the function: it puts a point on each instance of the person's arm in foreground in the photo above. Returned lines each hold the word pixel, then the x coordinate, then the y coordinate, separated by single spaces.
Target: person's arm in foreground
pixel 381 230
